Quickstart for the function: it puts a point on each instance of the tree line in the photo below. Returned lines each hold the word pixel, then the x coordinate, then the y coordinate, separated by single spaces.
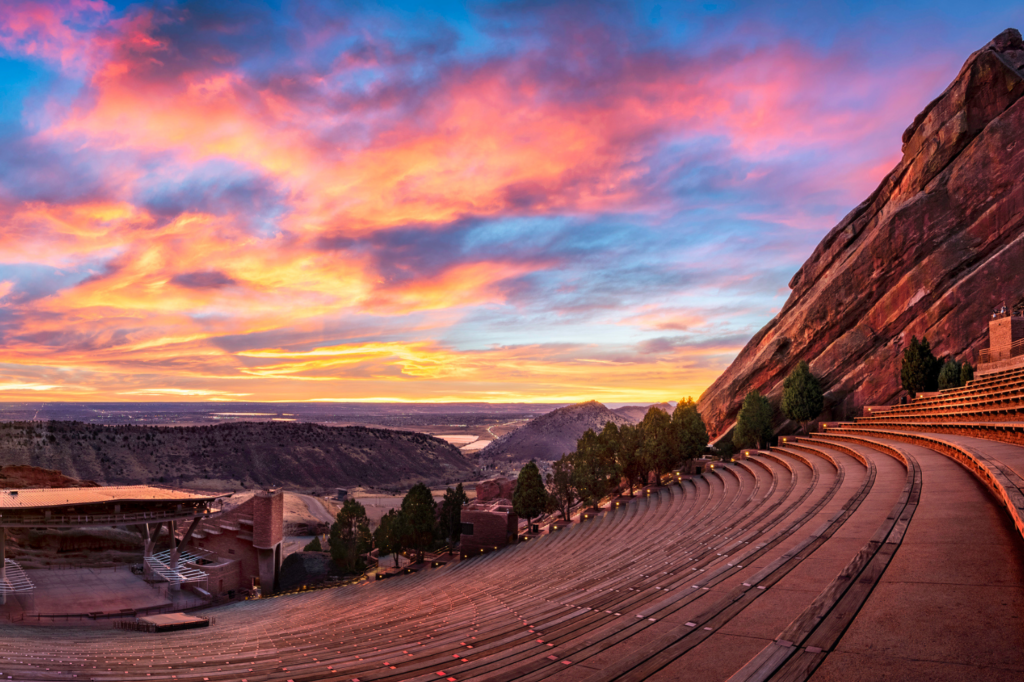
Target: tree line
pixel 419 525
pixel 803 395
pixel 922 371
pixel 803 399
pixel 603 460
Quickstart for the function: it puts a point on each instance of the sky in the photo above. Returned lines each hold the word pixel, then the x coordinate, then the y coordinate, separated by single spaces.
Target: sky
pixel 453 201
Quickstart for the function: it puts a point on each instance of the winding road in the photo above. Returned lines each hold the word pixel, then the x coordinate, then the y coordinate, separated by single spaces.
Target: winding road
pixel 316 508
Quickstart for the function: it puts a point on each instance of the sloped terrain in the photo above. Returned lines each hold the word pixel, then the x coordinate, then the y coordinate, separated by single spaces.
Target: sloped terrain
pixel 552 435
pixel 930 253
pixel 232 455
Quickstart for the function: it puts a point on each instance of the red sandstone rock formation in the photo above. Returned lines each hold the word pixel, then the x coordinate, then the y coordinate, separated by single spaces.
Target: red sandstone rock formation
pixel 931 252
pixel 24 476
pixel 494 488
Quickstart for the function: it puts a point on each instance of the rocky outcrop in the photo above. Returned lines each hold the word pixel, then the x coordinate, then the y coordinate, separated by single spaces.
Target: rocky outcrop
pixel 931 252
pixel 306 568
pixel 551 435
pixel 24 476
pixel 493 489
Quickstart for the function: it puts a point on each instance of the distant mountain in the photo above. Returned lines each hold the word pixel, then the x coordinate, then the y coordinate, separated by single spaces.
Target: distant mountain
pixel 229 456
pixel 636 412
pixel 551 435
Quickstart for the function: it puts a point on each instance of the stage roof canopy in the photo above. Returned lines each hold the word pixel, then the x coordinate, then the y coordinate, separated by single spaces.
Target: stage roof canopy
pixel 38 498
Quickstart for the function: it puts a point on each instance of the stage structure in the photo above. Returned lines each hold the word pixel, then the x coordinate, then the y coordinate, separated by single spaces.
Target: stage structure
pixel 145 508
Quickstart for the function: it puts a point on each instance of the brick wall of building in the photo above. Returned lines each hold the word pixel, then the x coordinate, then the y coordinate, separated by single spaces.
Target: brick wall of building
pixel 1003 332
pixel 268 519
pixel 238 538
pixel 491 529
pixel 223 576
pixel 244 557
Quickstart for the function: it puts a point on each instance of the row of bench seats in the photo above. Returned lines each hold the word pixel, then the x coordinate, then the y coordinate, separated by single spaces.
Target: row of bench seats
pixel 570 599
pixel 926 436
pixel 754 570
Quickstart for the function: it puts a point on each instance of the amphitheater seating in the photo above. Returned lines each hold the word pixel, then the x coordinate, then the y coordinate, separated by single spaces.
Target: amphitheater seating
pixel 826 557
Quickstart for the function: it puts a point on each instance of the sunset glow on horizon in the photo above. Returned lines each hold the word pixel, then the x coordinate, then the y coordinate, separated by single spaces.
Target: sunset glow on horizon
pixel 481 201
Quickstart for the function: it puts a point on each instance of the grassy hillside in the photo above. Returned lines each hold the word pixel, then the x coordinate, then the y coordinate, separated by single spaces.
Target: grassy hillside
pixel 229 456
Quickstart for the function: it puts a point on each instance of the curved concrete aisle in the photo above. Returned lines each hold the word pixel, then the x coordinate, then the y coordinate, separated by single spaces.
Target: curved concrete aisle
pixel 950 606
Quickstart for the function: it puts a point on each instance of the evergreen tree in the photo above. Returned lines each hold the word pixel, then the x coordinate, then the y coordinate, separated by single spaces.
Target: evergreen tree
pixel 627 458
pixel 949 375
pixel 609 441
pixel 419 520
pixel 754 423
pixel 593 468
pixel 920 369
pixel 657 448
pixel 350 536
pixel 966 373
pixel 802 398
pixel 451 513
pixel 313 545
pixel 530 498
pixel 689 430
pixel 388 536
pixel 562 485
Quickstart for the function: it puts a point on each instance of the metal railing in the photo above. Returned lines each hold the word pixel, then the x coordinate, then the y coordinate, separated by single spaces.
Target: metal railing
pixel 1003 353
pixel 41 520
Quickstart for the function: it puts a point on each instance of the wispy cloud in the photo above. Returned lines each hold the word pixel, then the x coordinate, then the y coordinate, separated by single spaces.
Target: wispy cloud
pixel 316 200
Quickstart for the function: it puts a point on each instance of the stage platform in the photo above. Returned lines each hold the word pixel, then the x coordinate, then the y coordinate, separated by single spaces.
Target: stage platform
pixel 106 591
pixel 169 622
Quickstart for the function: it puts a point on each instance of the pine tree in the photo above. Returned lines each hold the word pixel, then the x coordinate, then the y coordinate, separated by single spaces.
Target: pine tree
pixel 949 375
pixel 657 448
pixel 802 398
pixel 920 369
pixel 388 536
pixel 350 536
pixel 451 513
pixel 562 485
pixel 530 498
pixel 754 423
pixel 689 430
pixel 966 373
pixel 627 458
pixel 313 545
pixel 419 520
pixel 593 468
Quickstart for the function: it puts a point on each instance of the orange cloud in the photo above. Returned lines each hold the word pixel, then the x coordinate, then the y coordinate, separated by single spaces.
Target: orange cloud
pixel 154 295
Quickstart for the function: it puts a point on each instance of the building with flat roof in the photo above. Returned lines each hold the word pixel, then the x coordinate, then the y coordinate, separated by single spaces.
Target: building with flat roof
pixel 188 538
pixel 141 507
pixel 487 526
pixel 247 541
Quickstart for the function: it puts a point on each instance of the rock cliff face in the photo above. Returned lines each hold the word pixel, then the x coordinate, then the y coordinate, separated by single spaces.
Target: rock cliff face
pixel 931 252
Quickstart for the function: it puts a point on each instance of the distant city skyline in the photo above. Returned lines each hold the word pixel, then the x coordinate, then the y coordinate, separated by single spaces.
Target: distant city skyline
pixel 483 201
